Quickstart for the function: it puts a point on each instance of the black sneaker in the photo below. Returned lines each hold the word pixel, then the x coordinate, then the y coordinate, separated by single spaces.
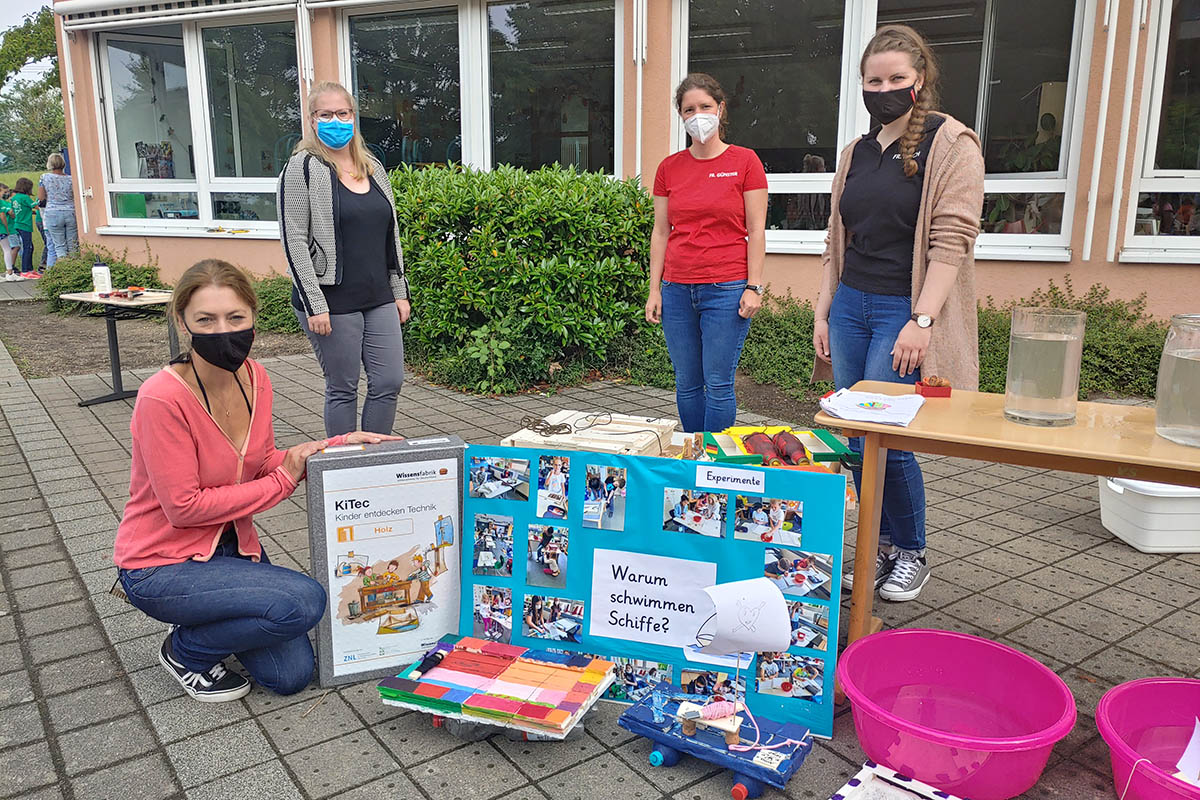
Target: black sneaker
pixel 214 685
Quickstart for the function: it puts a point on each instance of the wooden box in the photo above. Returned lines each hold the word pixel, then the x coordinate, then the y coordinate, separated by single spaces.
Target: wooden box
pixel 600 432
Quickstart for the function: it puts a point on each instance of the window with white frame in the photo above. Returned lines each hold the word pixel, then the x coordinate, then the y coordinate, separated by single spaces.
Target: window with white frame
pixel 404 68
pixel 487 83
pixel 1162 212
pixel 791 71
pixel 200 119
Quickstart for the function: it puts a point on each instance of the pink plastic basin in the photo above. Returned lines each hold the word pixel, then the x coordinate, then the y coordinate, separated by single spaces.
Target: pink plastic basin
pixel 1150 718
pixel 966 715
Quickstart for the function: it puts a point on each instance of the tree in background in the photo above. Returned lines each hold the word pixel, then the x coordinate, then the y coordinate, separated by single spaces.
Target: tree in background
pixel 28 43
pixel 31 116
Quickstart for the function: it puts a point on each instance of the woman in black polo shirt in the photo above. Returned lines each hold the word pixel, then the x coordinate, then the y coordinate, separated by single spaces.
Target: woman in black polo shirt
pixel 905 212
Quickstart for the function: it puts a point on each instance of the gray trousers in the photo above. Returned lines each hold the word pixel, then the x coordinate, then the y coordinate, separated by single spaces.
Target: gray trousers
pixel 371 339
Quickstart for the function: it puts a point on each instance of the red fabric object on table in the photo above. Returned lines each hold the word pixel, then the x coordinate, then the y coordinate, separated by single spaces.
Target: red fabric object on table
pixel 761 444
pixel 789 447
pixel 431 690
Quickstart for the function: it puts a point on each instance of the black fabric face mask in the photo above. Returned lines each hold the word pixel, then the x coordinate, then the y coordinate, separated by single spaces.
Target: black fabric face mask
pixel 890 106
pixel 227 350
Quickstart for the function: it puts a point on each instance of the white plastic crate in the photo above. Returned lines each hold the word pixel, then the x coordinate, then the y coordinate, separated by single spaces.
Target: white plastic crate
pixel 1152 517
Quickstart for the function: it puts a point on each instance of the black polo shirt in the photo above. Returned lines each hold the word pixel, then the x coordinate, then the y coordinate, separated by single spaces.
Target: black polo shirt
pixel 879 208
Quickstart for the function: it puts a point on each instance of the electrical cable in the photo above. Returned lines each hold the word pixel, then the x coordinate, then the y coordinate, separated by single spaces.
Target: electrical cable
pixel 587 422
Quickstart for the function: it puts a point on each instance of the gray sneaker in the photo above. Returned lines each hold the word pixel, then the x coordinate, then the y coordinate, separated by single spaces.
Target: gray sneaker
pixel 884 561
pixel 910 573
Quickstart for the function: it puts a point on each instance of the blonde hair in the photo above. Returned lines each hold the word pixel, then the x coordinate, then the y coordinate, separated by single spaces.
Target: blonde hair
pixel 56 161
pixel 903 39
pixel 312 144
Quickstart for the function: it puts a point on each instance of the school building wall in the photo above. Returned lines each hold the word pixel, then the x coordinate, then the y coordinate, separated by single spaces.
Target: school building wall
pixel 1170 287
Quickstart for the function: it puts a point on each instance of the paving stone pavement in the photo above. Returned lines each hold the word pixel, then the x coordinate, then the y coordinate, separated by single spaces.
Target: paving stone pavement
pixel 86 712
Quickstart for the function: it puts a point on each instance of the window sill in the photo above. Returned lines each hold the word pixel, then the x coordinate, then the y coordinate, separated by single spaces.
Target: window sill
pixel 1147 255
pixel 1012 252
pixel 983 252
pixel 187 232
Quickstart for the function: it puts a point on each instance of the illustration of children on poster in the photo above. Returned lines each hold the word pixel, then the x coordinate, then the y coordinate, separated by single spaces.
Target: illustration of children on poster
pixel 395 587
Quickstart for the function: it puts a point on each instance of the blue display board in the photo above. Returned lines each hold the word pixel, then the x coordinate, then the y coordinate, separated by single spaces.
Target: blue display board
pixel 603 554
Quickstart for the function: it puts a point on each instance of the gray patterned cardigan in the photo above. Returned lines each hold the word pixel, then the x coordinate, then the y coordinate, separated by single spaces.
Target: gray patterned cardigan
pixel 308 222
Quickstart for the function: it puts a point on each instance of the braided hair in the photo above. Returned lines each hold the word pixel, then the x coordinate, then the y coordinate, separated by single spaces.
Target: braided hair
pixel 903 39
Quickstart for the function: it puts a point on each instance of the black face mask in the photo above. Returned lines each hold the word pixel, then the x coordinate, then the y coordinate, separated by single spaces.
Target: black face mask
pixel 225 350
pixel 890 106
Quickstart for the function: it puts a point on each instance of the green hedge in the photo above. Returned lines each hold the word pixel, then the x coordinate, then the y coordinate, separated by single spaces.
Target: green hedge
pixel 519 277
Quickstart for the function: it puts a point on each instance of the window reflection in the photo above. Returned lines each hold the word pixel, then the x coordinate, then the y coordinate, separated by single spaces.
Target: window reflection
pixel 1027 66
pixel 552 81
pixel 780 63
pixel 797 212
pixel 1179 117
pixel 149 95
pixel 406 80
pixel 253 97
pixel 1033 212
pixel 1167 214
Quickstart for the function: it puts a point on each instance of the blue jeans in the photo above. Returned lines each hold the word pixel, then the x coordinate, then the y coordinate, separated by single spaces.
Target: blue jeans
pixel 704 335
pixel 64 235
pixel 26 250
pixel 862 330
pixel 231 605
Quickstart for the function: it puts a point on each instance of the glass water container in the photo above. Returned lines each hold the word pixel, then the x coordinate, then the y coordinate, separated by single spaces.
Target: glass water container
pixel 1044 353
pixel 1177 405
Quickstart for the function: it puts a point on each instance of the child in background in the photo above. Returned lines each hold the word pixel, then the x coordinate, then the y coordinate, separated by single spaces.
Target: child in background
pixel 11 254
pixel 47 242
pixel 23 204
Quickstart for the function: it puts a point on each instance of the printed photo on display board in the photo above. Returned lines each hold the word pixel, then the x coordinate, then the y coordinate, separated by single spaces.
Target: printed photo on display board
pixel 493 613
pixel 546 557
pixel 691 511
pixel 767 519
pixel 604 499
pixel 553 485
pixel 810 625
pixel 798 573
pixel 635 678
pixel 493 545
pixel 707 683
pixel 798 677
pixel 552 618
pixel 499 478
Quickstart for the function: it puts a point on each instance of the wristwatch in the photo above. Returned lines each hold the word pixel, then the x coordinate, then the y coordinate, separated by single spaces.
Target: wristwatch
pixel 756 288
pixel 923 320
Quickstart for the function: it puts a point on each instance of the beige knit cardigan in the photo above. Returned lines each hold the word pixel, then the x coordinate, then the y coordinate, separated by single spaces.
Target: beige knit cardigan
pixel 947 225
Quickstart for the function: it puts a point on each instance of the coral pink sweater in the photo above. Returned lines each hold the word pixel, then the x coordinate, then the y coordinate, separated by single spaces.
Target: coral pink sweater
pixel 188 480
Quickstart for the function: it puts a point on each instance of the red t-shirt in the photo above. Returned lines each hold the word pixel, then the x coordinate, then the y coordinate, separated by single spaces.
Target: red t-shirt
pixel 707 213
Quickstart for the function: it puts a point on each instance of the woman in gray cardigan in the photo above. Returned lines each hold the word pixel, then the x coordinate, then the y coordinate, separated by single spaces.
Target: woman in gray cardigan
pixel 337 219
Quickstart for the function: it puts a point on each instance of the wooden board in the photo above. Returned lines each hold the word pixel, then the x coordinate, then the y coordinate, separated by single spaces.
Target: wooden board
pixel 619 433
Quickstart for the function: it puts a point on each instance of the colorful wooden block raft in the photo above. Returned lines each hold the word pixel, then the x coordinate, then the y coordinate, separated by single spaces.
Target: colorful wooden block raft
pixel 502 684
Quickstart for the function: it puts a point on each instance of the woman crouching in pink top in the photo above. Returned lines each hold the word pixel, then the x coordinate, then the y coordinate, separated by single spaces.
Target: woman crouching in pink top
pixel 204 463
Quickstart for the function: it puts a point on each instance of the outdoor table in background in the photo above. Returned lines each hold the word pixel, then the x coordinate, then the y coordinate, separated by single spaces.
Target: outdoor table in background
pixel 118 308
pixel 1106 439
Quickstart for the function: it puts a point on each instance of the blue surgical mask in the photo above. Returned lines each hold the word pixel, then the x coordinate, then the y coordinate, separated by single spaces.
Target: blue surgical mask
pixel 335 133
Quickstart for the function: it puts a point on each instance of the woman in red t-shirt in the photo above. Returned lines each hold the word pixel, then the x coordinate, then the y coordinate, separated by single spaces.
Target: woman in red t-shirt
pixel 706 255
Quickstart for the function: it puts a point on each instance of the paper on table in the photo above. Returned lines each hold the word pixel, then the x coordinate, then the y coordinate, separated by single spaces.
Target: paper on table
pixel 1189 762
pixel 872 407
pixel 750 616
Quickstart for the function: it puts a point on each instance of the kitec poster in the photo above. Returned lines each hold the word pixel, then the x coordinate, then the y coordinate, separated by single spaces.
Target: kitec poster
pixel 388 551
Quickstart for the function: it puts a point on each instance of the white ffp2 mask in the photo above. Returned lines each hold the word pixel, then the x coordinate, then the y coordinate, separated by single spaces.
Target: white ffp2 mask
pixel 702 126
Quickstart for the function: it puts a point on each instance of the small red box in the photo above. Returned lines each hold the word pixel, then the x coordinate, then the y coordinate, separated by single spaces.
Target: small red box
pixel 932 391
